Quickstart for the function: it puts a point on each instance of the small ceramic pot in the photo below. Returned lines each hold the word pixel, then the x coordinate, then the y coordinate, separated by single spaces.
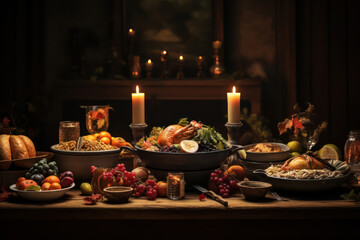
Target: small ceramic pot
pixel 254 190
pixel 118 194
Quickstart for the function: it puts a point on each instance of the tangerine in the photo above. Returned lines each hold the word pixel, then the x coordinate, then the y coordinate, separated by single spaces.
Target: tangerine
pixel 105 140
pixel 52 179
pixel 104 134
pixel 55 186
pixel 237 172
pixel 46 186
pixel 96 135
pixel 90 137
pixel 162 189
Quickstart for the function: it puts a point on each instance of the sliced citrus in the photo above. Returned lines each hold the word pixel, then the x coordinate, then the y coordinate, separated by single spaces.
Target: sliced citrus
pixel 189 146
pixel 330 151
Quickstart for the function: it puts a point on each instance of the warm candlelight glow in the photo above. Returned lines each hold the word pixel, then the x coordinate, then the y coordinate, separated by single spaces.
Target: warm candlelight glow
pixel 181 58
pixel 233 101
pixel 200 57
pixel 138 107
pixel 130 30
pixel 149 61
pixel 164 52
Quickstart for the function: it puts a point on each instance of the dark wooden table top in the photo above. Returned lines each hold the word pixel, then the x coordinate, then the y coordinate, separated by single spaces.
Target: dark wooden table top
pixel 72 206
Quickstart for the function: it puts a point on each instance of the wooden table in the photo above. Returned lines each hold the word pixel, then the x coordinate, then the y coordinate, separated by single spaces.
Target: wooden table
pixel 189 217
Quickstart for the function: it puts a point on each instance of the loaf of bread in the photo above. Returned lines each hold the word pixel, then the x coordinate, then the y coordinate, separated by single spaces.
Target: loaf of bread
pixel 15 147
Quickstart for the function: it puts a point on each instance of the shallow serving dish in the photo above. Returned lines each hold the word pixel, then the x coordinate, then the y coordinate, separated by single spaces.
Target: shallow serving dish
pixel 170 161
pixel 254 190
pixel 79 162
pixel 303 185
pixel 267 156
pixel 118 194
pixel 41 195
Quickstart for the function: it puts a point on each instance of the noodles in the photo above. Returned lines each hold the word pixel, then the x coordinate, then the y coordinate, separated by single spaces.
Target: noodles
pixel 275 171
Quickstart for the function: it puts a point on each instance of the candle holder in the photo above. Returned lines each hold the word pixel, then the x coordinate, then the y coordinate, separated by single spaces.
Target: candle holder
pixel 200 62
pixel 138 131
pixel 234 136
pixel 180 74
pixel 164 68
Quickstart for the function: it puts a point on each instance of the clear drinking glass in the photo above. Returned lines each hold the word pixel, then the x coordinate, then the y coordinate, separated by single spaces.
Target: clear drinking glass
pixel 69 131
pixel 97 118
pixel 176 185
pixel 309 135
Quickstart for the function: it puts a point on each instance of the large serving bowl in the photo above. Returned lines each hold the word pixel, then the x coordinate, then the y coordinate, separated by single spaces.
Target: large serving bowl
pixel 302 185
pixel 79 162
pixel 183 161
pixel 267 156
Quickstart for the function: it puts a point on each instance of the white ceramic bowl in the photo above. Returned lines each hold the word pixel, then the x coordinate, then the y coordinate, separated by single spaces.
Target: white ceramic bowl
pixel 41 195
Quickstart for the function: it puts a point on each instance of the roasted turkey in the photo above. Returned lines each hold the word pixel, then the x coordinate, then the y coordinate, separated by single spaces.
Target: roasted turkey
pixel 174 134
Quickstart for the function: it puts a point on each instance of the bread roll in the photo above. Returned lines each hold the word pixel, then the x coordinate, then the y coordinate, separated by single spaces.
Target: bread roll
pixel 30 147
pixel 5 149
pixel 18 148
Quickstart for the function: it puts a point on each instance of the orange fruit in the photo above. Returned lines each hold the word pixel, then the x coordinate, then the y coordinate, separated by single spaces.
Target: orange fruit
pixel 96 135
pixel 118 142
pixel 237 172
pixel 20 179
pixel 55 186
pixel 161 189
pixel 104 134
pixel 90 137
pixel 52 179
pixel 105 140
pixel 46 186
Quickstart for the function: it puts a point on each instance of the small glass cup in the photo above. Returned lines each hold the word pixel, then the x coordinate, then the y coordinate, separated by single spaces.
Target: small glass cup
pixel 176 185
pixel 69 131
pixel 97 118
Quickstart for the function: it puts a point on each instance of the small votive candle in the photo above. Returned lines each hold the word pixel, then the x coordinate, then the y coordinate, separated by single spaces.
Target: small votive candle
pixel 176 185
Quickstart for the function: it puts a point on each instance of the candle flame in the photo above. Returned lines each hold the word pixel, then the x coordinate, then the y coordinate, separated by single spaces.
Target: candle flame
pixel 200 57
pixel 181 58
pixel 149 61
pixel 130 30
pixel 164 52
pixel 234 89
pixel 137 89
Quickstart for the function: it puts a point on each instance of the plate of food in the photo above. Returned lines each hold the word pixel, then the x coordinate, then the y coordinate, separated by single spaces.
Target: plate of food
pixel 186 146
pixel 267 152
pixel 306 173
pixel 41 195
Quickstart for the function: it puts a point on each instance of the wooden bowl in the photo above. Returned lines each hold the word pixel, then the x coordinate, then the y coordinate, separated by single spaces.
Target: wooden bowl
pixel 118 194
pixel 254 190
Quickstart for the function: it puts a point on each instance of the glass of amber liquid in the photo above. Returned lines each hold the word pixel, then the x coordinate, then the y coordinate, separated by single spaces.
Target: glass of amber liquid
pixel 97 118
pixel 176 185
pixel 69 131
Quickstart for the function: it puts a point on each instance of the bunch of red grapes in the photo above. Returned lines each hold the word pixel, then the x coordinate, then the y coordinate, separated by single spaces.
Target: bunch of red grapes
pixel 119 173
pixel 225 183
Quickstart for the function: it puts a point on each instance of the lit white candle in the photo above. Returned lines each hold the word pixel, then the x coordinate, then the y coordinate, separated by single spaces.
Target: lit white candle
pixel 233 101
pixel 138 107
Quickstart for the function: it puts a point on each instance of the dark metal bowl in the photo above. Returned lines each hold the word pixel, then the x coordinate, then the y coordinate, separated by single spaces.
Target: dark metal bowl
pixel 183 161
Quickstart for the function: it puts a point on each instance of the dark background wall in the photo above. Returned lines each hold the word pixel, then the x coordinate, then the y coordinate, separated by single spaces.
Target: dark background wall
pixel 308 50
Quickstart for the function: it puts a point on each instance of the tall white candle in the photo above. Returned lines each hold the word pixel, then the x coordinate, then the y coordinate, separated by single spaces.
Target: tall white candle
pixel 138 107
pixel 233 101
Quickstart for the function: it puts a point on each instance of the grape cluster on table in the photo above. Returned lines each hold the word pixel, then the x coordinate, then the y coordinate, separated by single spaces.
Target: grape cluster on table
pixel 225 183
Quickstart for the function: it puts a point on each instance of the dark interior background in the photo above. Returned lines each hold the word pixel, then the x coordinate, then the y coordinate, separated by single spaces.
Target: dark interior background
pixel 308 50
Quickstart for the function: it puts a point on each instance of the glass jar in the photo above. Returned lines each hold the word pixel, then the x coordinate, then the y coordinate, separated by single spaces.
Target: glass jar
pixel 69 131
pixel 352 151
pixel 176 185
pixel 97 118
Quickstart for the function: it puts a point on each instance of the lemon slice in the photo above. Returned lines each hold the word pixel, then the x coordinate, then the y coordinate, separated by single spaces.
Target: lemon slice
pixel 189 146
pixel 242 153
pixel 330 151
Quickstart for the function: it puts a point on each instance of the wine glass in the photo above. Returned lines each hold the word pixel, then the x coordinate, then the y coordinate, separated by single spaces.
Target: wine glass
pixel 309 134
pixel 97 118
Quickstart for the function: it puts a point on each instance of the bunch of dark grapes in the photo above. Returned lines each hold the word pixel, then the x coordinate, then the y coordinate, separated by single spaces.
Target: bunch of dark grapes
pixel 170 148
pixel 209 147
pixel 149 189
pixel 224 182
